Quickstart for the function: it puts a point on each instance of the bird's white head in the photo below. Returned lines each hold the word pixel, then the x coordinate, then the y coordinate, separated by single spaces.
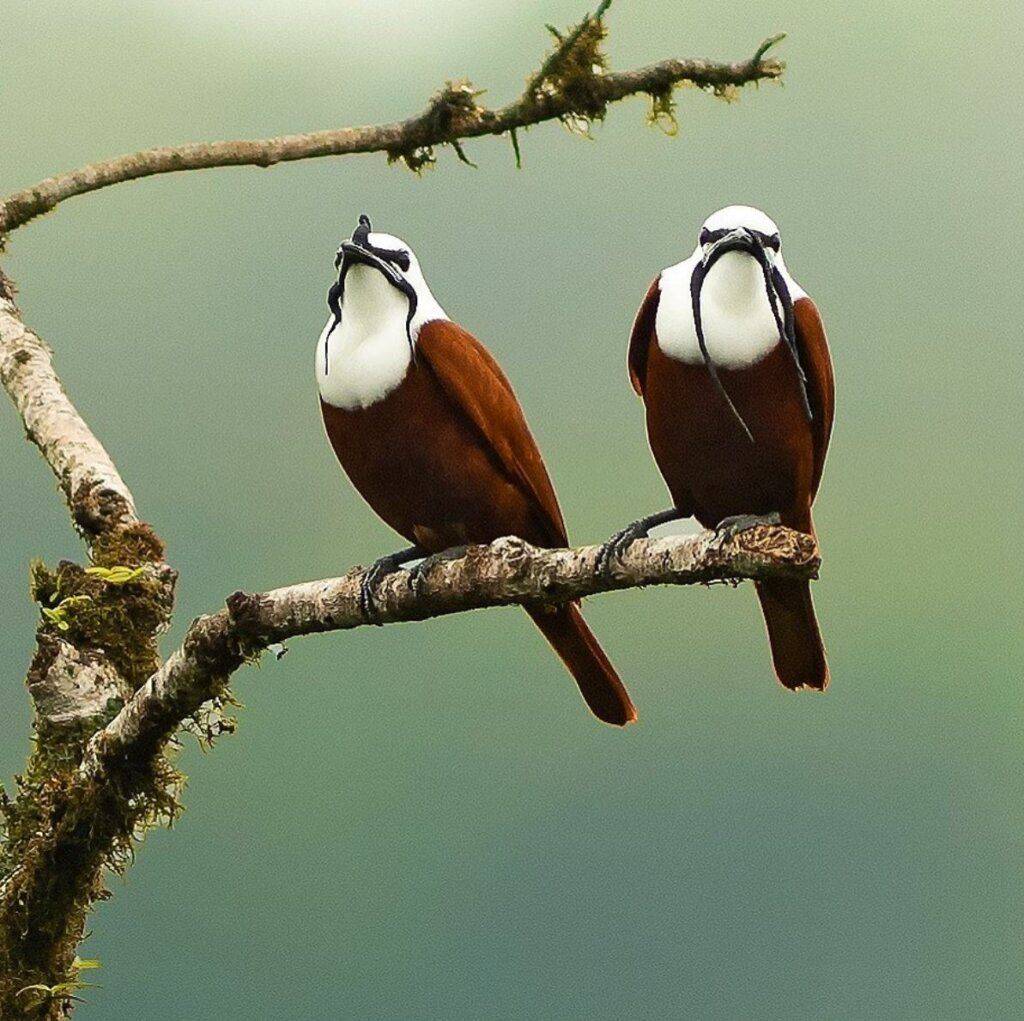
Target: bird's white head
pixel 378 305
pixel 746 246
pixel 738 228
pixel 732 301
pixel 377 274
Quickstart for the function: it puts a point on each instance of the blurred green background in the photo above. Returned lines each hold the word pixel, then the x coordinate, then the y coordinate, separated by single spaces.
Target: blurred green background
pixel 423 821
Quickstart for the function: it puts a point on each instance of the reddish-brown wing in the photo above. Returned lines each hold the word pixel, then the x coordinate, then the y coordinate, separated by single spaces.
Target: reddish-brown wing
pixel 640 338
pixel 482 394
pixel 817 363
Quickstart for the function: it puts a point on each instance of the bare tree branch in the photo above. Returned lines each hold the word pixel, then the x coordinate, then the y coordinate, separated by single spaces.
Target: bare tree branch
pixel 452 115
pixel 97 496
pixel 507 571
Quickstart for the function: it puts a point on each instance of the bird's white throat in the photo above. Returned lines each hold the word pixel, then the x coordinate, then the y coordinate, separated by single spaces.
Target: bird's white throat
pixel 367 354
pixel 739 327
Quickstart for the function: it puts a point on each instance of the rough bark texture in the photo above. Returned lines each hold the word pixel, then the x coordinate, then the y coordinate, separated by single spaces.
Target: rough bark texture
pixel 72 688
pixel 96 494
pixel 506 572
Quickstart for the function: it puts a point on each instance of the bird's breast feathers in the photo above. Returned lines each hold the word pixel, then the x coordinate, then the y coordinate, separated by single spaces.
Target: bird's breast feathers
pixel 366 355
pixel 739 327
pixel 355 370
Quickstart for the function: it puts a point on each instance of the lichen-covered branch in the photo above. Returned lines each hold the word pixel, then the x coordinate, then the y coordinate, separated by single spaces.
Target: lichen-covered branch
pixel 507 571
pixel 97 496
pixel 96 643
pixel 451 116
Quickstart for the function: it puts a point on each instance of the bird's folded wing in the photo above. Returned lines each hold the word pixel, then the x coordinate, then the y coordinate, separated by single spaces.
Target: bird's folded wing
pixel 817 363
pixel 480 392
pixel 640 338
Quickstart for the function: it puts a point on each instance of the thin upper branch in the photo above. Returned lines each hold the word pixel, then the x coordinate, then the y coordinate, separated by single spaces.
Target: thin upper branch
pixel 463 120
pixel 508 571
pixel 97 496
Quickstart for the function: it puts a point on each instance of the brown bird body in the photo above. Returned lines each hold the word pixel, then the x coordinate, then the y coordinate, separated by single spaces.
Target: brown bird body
pixel 445 457
pixel 714 470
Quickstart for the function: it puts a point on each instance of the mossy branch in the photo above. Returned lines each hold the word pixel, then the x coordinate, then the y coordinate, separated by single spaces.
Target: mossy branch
pixel 572 86
pixel 569 47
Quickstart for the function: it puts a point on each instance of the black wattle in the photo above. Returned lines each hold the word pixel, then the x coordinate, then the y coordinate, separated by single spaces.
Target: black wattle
pixel 361 235
pixel 762 259
pixel 410 292
pixel 696 283
pixel 789 335
pixel 334 298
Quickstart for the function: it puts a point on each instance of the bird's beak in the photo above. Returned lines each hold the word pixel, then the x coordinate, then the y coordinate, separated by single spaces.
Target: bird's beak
pixel 738 240
pixel 354 253
pixel 776 289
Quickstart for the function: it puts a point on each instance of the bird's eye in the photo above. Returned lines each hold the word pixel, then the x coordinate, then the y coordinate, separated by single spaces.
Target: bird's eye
pixel 707 236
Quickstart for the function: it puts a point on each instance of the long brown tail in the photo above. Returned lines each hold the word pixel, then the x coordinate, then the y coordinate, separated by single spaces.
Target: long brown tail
pixel 567 631
pixel 797 650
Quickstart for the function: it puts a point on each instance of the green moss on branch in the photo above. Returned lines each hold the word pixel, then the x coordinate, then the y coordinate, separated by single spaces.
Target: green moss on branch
pixel 96 644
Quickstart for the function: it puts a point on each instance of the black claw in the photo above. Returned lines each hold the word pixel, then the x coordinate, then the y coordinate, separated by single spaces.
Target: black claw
pixel 728 527
pixel 367 598
pixel 619 543
pixel 417 574
pixel 375 574
pixel 366 601
pixel 623 539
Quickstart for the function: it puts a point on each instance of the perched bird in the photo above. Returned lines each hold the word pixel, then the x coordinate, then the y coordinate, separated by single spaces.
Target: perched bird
pixel 428 430
pixel 730 357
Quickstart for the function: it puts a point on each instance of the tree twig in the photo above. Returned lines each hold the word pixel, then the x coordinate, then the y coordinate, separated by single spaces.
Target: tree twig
pixel 416 133
pixel 566 43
